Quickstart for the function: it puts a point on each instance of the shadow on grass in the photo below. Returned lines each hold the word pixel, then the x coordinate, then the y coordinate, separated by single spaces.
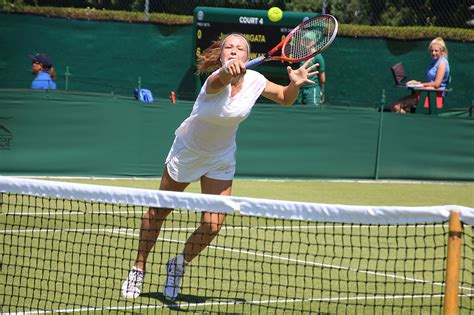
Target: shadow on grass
pixel 191 299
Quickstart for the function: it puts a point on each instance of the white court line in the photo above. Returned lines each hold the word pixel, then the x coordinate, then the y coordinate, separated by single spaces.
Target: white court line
pixel 124 231
pixel 254 253
pixel 47 230
pixel 229 302
pixel 245 179
pixel 304 262
pixel 279 227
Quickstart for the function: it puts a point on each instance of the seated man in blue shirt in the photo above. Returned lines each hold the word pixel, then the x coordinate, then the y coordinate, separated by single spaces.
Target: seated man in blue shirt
pixel 43 68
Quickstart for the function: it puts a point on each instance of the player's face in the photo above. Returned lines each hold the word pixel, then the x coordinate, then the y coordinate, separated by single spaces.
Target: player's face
pixel 235 47
pixel 436 51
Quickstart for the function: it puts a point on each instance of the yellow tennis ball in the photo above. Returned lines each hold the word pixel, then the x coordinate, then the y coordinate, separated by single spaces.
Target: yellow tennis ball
pixel 275 14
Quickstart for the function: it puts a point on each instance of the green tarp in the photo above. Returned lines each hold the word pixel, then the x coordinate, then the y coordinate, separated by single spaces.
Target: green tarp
pixel 110 134
pixel 111 57
pixel 69 134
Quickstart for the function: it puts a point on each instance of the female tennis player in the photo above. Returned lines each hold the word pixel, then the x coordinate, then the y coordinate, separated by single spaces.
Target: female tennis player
pixel 204 149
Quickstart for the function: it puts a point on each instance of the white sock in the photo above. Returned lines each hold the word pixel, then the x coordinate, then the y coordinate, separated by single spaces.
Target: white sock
pixel 135 268
pixel 180 259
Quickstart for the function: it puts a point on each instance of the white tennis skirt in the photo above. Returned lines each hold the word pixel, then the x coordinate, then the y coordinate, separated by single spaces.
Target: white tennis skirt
pixel 186 166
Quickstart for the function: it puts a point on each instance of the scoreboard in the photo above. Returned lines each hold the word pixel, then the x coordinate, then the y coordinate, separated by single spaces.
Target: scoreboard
pixel 210 24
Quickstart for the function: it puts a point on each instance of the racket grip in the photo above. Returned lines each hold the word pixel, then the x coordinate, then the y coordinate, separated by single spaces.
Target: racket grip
pixel 254 62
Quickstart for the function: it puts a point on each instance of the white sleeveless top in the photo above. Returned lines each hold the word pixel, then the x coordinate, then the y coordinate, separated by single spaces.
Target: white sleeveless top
pixel 212 126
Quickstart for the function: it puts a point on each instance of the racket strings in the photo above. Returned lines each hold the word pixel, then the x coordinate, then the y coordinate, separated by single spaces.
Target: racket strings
pixel 310 38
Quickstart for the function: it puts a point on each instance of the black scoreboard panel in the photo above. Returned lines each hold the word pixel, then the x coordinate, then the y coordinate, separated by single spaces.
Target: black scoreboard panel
pixel 261 38
pixel 210 24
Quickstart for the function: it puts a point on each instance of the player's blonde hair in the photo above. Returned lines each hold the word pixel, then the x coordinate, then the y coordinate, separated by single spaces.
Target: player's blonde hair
pixel 210 59
pixel 439 41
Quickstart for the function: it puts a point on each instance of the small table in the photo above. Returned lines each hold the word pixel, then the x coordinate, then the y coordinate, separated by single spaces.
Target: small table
pixel 431 99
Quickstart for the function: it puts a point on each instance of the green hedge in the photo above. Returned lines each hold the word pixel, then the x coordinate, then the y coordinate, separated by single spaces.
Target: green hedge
pixel 98 15
pixel 348 30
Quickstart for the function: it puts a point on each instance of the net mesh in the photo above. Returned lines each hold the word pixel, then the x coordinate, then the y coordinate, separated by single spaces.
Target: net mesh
pixel 310 38
pixel 68 248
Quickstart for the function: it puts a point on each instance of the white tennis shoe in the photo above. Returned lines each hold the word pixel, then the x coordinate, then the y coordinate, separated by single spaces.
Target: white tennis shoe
pixel 175 272
pixel 132 287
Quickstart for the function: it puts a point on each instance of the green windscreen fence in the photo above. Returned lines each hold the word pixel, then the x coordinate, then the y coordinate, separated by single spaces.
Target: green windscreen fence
pixel 105 57
pixel 116 57
pixel 78 134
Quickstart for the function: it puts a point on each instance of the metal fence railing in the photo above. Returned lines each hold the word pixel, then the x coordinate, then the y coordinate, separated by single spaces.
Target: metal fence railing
pixel 452 13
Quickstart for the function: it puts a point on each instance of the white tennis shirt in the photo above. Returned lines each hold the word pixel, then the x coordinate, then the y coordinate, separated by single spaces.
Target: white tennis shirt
pixel 212 126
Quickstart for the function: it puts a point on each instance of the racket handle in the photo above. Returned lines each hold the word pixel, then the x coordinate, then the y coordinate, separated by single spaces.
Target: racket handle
pixel 254 62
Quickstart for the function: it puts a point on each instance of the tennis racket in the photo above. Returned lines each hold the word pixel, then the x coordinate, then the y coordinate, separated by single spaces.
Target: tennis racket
pixel 306 40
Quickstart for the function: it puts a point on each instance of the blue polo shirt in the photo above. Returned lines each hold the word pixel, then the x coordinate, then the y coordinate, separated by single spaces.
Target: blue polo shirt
pixel 43 81
pixel 433 69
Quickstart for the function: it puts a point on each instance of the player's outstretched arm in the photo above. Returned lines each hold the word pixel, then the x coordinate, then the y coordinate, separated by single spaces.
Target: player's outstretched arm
pixel 286 95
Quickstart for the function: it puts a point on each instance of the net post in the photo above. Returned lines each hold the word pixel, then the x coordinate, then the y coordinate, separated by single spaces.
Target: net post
pixel 453 263
pixel 383 102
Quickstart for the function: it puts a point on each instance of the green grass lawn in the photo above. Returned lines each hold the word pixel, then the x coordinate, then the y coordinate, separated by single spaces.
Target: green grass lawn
pixel 77 262
pixel 72 257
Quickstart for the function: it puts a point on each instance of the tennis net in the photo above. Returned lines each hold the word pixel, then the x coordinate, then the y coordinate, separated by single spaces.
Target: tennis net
pixel 68 247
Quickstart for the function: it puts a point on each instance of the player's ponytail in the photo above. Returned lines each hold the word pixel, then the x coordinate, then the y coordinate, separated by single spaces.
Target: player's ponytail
pixel 209 60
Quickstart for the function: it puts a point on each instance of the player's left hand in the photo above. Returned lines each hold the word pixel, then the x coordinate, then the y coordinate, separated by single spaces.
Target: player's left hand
pixel 300 76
